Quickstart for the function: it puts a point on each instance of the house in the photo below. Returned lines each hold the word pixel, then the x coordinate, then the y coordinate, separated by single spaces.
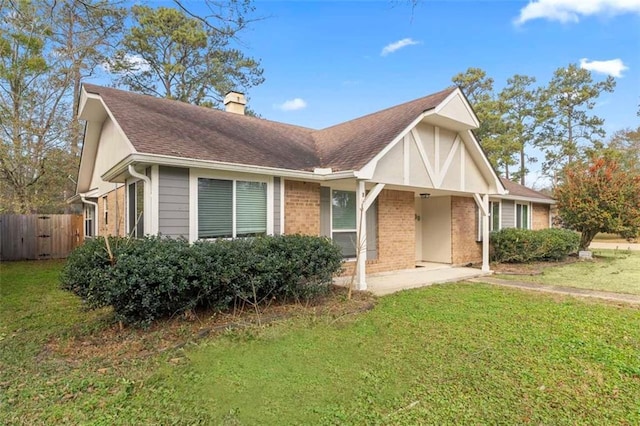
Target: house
pixel 405 184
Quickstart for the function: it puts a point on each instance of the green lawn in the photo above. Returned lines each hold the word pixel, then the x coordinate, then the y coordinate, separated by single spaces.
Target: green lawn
pixel 611 270
pixel 449 354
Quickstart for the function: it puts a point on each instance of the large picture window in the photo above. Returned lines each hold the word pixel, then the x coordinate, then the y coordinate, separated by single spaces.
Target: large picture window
pixel 522 216
pixel 230 208
pixel 343 221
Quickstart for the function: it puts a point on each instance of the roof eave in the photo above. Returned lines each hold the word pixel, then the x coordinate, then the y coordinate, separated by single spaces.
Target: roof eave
pixel 528 199
pixel 119 171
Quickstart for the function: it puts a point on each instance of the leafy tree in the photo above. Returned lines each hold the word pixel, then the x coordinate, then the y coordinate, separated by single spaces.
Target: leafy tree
pixel 489 108
pixel 169 53
pixel 626 143
pixel 30 101
pixel 46 47
pixel 568 127
pixel 599 196
pixel 520 103
pixel 84 35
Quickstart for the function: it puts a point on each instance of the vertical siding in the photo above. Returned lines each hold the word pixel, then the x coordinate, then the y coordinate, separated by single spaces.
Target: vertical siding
pixel 277 206
pixel 508 219
pixel 173 202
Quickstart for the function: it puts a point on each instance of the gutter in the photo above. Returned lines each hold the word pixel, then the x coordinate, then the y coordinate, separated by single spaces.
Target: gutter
pixel 95 213
pixel 148 195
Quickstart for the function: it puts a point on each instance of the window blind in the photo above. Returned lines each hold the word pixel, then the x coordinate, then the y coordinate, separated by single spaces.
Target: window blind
pixel 251 208
pixel 215 208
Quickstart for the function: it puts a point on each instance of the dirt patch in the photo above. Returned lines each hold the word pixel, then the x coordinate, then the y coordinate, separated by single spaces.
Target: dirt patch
pixel 533 268
pixel 114 342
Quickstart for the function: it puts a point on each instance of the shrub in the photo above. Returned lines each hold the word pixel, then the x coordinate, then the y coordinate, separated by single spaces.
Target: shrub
pixel 513 245
pixel 148 278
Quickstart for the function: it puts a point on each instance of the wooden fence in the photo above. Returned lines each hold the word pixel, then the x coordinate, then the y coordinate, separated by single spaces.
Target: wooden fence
pixel 28 237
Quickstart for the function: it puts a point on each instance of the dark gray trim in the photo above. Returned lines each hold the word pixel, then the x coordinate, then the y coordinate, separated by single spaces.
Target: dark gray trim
pixel 277 206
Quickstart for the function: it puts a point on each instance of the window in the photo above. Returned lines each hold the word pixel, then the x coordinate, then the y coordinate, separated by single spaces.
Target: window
pixel 89 217
pixel 522 216
pixel 105 208
pixel 494 208
pixel 136 209
pixel 343 221
pixel 230 208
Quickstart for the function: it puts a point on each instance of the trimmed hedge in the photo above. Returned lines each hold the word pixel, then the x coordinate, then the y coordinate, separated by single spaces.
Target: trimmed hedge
pixel 513 245
pixel 153 277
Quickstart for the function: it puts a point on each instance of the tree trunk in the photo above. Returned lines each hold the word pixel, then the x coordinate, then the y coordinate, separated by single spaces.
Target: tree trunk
pixel 585 239
pixel 522 167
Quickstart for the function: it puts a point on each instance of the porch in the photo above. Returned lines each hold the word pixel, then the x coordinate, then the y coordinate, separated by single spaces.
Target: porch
pixel 424 274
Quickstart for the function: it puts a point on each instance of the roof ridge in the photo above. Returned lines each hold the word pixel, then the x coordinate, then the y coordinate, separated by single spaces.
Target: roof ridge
pixel 416 100
pixel 188 105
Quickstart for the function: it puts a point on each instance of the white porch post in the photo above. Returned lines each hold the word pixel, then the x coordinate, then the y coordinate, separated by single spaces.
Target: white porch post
pixel 483 206
pixel 361 227
pixel 485 233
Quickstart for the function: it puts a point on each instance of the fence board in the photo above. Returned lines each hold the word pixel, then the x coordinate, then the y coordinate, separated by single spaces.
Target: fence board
pixel 28 237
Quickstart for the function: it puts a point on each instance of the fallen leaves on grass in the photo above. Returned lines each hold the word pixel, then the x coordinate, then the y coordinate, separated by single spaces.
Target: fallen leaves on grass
pixel 112 344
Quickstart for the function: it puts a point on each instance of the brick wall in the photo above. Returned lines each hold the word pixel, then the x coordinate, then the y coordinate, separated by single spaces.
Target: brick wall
pixel 115 215
pixel 396 234
pixel 301 208
pixel 464 218
pixel 540 219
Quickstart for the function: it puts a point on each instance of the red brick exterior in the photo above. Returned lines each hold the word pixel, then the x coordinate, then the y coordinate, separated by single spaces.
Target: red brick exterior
pixel 301 208
pixel 540 218
pixel 396 233
pixel 464 231
pixel 115 224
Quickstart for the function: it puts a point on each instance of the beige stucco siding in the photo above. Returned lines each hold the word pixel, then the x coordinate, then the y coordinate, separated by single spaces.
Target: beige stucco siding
pixel 449 163
pixel 112 147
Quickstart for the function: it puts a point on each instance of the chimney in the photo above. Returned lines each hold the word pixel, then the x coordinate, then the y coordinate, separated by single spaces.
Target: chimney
pixel 234 102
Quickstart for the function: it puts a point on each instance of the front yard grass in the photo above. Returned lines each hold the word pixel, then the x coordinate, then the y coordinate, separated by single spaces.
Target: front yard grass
pixel 610 270
pixel 449 354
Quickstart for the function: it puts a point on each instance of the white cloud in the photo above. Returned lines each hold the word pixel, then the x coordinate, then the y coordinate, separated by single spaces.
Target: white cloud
pixel 572 10
pixel 392 47
pixel 612 67
pixel 292 105
pixel 136 62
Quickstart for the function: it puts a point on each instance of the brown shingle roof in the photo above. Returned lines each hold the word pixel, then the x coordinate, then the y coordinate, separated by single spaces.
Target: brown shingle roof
pixel 166 127
pixel 351 145
pixel 518 190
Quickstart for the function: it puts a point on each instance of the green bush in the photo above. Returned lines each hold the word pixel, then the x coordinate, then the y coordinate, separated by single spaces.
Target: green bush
pixel 513 245
pixel 149 278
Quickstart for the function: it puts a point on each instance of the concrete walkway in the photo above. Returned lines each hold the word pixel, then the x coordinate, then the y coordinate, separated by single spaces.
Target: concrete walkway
pixel 615 246
pixel 570 291
pixel 428 274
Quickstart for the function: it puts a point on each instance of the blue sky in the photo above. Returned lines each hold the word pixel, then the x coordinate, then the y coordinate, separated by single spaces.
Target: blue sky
pixel 329 54
pixel 325 61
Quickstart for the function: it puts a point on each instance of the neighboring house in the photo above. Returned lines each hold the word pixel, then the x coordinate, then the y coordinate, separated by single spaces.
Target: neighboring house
pixel 415 171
